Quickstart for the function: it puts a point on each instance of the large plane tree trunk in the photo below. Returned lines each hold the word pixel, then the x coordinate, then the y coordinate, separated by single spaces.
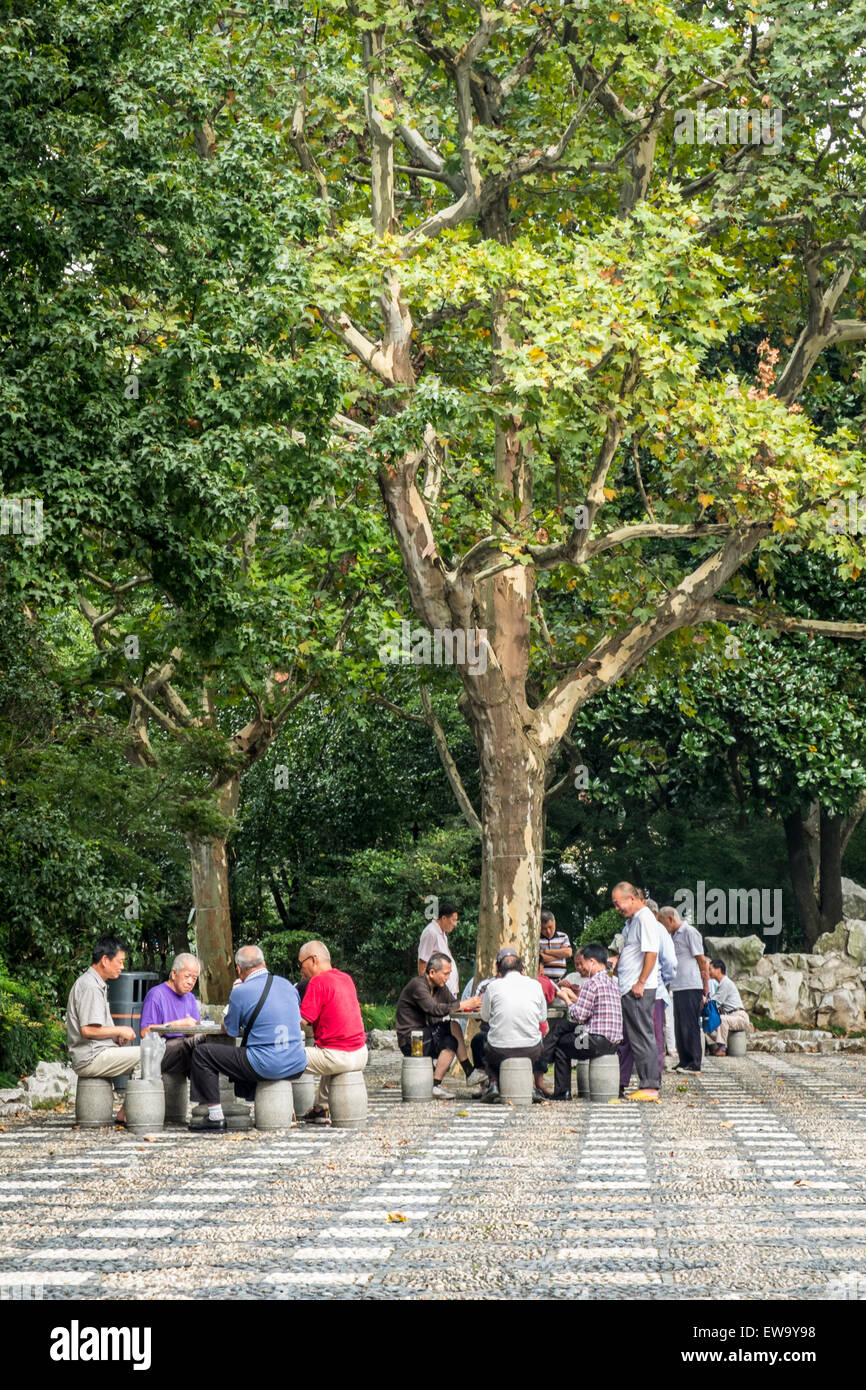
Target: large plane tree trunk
pixel 209 872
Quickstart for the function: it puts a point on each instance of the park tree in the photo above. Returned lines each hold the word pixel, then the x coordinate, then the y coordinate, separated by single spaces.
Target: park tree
pixel 535 271
pixel 166 404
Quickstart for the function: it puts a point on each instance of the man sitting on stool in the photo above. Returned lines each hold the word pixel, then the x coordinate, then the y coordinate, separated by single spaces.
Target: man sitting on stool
pixel 265 1008
pixel 734 1018
pixel 96 1043
pixel 331 1005
pixel 515 1008
pixel 599 1008
pixel 425 1006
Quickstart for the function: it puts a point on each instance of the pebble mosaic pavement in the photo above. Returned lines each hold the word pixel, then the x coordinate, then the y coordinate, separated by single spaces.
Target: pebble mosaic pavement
pixel 746 1182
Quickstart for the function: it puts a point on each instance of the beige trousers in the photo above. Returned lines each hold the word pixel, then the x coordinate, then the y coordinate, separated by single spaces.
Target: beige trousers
pixel 735 1022
pixel 111 1061
pixel 325 1062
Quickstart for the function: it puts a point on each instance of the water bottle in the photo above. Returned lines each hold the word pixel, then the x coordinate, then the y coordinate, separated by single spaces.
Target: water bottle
pixel 152 1051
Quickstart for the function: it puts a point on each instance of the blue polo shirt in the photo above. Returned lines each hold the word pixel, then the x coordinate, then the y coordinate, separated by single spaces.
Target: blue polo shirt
pixel 275 1048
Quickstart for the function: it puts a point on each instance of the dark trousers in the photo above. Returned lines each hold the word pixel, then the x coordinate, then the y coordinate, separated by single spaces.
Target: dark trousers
pixel 495 1056
pixel 209 1060
pixel 177 1058
pixel 687 1026
pixel 565 1052
pixel 626 1060
pixel 438 1038
pixel 637 1020
pixel 478 1045
pixel 560 1028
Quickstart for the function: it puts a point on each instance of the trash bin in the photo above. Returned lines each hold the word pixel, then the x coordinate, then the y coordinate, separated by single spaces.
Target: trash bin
pixel 125 998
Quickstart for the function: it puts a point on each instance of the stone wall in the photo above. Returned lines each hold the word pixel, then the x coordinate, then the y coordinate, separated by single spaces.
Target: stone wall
pixel 825 988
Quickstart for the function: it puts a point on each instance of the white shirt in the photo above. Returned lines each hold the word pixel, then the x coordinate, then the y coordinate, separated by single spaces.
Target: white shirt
pixel 642 934
pixel 688 943
pixel 434 939
pixel 667 963
pixel 514 1007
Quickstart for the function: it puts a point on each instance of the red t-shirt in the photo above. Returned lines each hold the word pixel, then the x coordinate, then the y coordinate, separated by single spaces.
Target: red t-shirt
pixel 330 1003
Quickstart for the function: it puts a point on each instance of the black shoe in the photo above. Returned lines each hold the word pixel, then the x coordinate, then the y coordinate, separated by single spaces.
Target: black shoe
pixel 316 1116
pixel 491 1096
pixel 560 1095
pixel 207 1126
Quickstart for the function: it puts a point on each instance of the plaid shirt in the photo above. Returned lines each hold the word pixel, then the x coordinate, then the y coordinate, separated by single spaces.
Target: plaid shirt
pixel 598 1005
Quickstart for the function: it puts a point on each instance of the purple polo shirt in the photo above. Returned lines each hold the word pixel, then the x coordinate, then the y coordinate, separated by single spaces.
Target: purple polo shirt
pixel 162 1005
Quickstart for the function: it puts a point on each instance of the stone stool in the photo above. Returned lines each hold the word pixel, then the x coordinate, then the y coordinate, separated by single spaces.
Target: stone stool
pixel 348 1100
pixel 176 1089
pixel 515 1080
pixel 238 1113
pixel 583 1079
pixel 145 1106
pixel 604 1078
pixel 94 1102
pixel 274 1105
pixel 736 1045
pixel 304 1093
pixel 416 1078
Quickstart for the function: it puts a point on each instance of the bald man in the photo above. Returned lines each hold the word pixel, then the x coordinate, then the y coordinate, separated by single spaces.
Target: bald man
pixel 331 1005
pixel 264 1011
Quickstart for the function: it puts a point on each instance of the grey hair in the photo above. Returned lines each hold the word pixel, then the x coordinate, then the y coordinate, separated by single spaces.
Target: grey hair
pixel 670 912
pixel 438 961
pixel 249 957
pixel 652 905
pixel 316 948
pixel 185 957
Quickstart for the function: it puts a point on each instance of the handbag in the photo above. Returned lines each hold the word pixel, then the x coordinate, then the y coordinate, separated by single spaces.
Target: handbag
pixel 710 1016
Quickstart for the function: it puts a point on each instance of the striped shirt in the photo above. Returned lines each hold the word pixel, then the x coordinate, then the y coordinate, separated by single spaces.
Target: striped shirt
pixel 598 1006
pixel 555 943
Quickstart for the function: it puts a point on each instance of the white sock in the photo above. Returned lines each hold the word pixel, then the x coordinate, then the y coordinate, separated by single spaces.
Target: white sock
pixel 215 1112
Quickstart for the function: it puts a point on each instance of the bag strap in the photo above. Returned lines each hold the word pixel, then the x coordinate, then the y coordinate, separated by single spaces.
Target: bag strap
pixel 257 1010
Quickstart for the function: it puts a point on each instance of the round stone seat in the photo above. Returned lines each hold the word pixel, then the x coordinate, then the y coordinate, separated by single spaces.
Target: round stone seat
pixel 94 1102
pixel 515 1080
pixel 274 1105
pixel 348 1100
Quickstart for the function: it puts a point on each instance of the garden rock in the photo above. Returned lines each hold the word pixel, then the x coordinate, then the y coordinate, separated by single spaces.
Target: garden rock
pixel 738 952
pixel 857 941
pixel 853 900
pixel 383 1038
pixel 13 1101
pixel 51 1083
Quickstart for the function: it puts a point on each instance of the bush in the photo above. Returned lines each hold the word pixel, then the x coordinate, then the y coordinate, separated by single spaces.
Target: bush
pixel 602 928
pixel 30 1032
pixel 378 1016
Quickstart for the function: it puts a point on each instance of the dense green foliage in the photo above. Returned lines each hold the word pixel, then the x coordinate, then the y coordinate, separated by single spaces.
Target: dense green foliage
pixel 30 1030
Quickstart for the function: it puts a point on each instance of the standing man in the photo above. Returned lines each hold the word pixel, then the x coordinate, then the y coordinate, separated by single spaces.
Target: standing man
pixel 425 1007
pixel 733 1016
pixel 331 1005
pixel 434 937
pixel 638 977
pixel 598 1007
pixel 264 1009
pixel 690 988
pixel 96 1043
pixel 554 949
pixel 515 1008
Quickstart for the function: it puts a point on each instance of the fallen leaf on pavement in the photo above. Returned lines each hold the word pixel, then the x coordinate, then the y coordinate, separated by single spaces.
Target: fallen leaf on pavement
pixel 397 1216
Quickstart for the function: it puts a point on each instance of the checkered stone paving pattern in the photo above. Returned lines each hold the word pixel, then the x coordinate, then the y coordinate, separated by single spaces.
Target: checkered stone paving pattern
pixel 747 1181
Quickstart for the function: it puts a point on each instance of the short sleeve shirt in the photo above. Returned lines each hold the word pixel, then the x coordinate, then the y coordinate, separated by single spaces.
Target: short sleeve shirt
pixel 641 935
pixel 433 939
pixel 331 1004
pixel 162 1005
pixel 555 943
pixel 87 1005
pixel 688 943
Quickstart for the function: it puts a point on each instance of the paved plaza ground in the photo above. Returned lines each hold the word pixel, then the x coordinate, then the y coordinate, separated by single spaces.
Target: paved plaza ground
pixel 747 1182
